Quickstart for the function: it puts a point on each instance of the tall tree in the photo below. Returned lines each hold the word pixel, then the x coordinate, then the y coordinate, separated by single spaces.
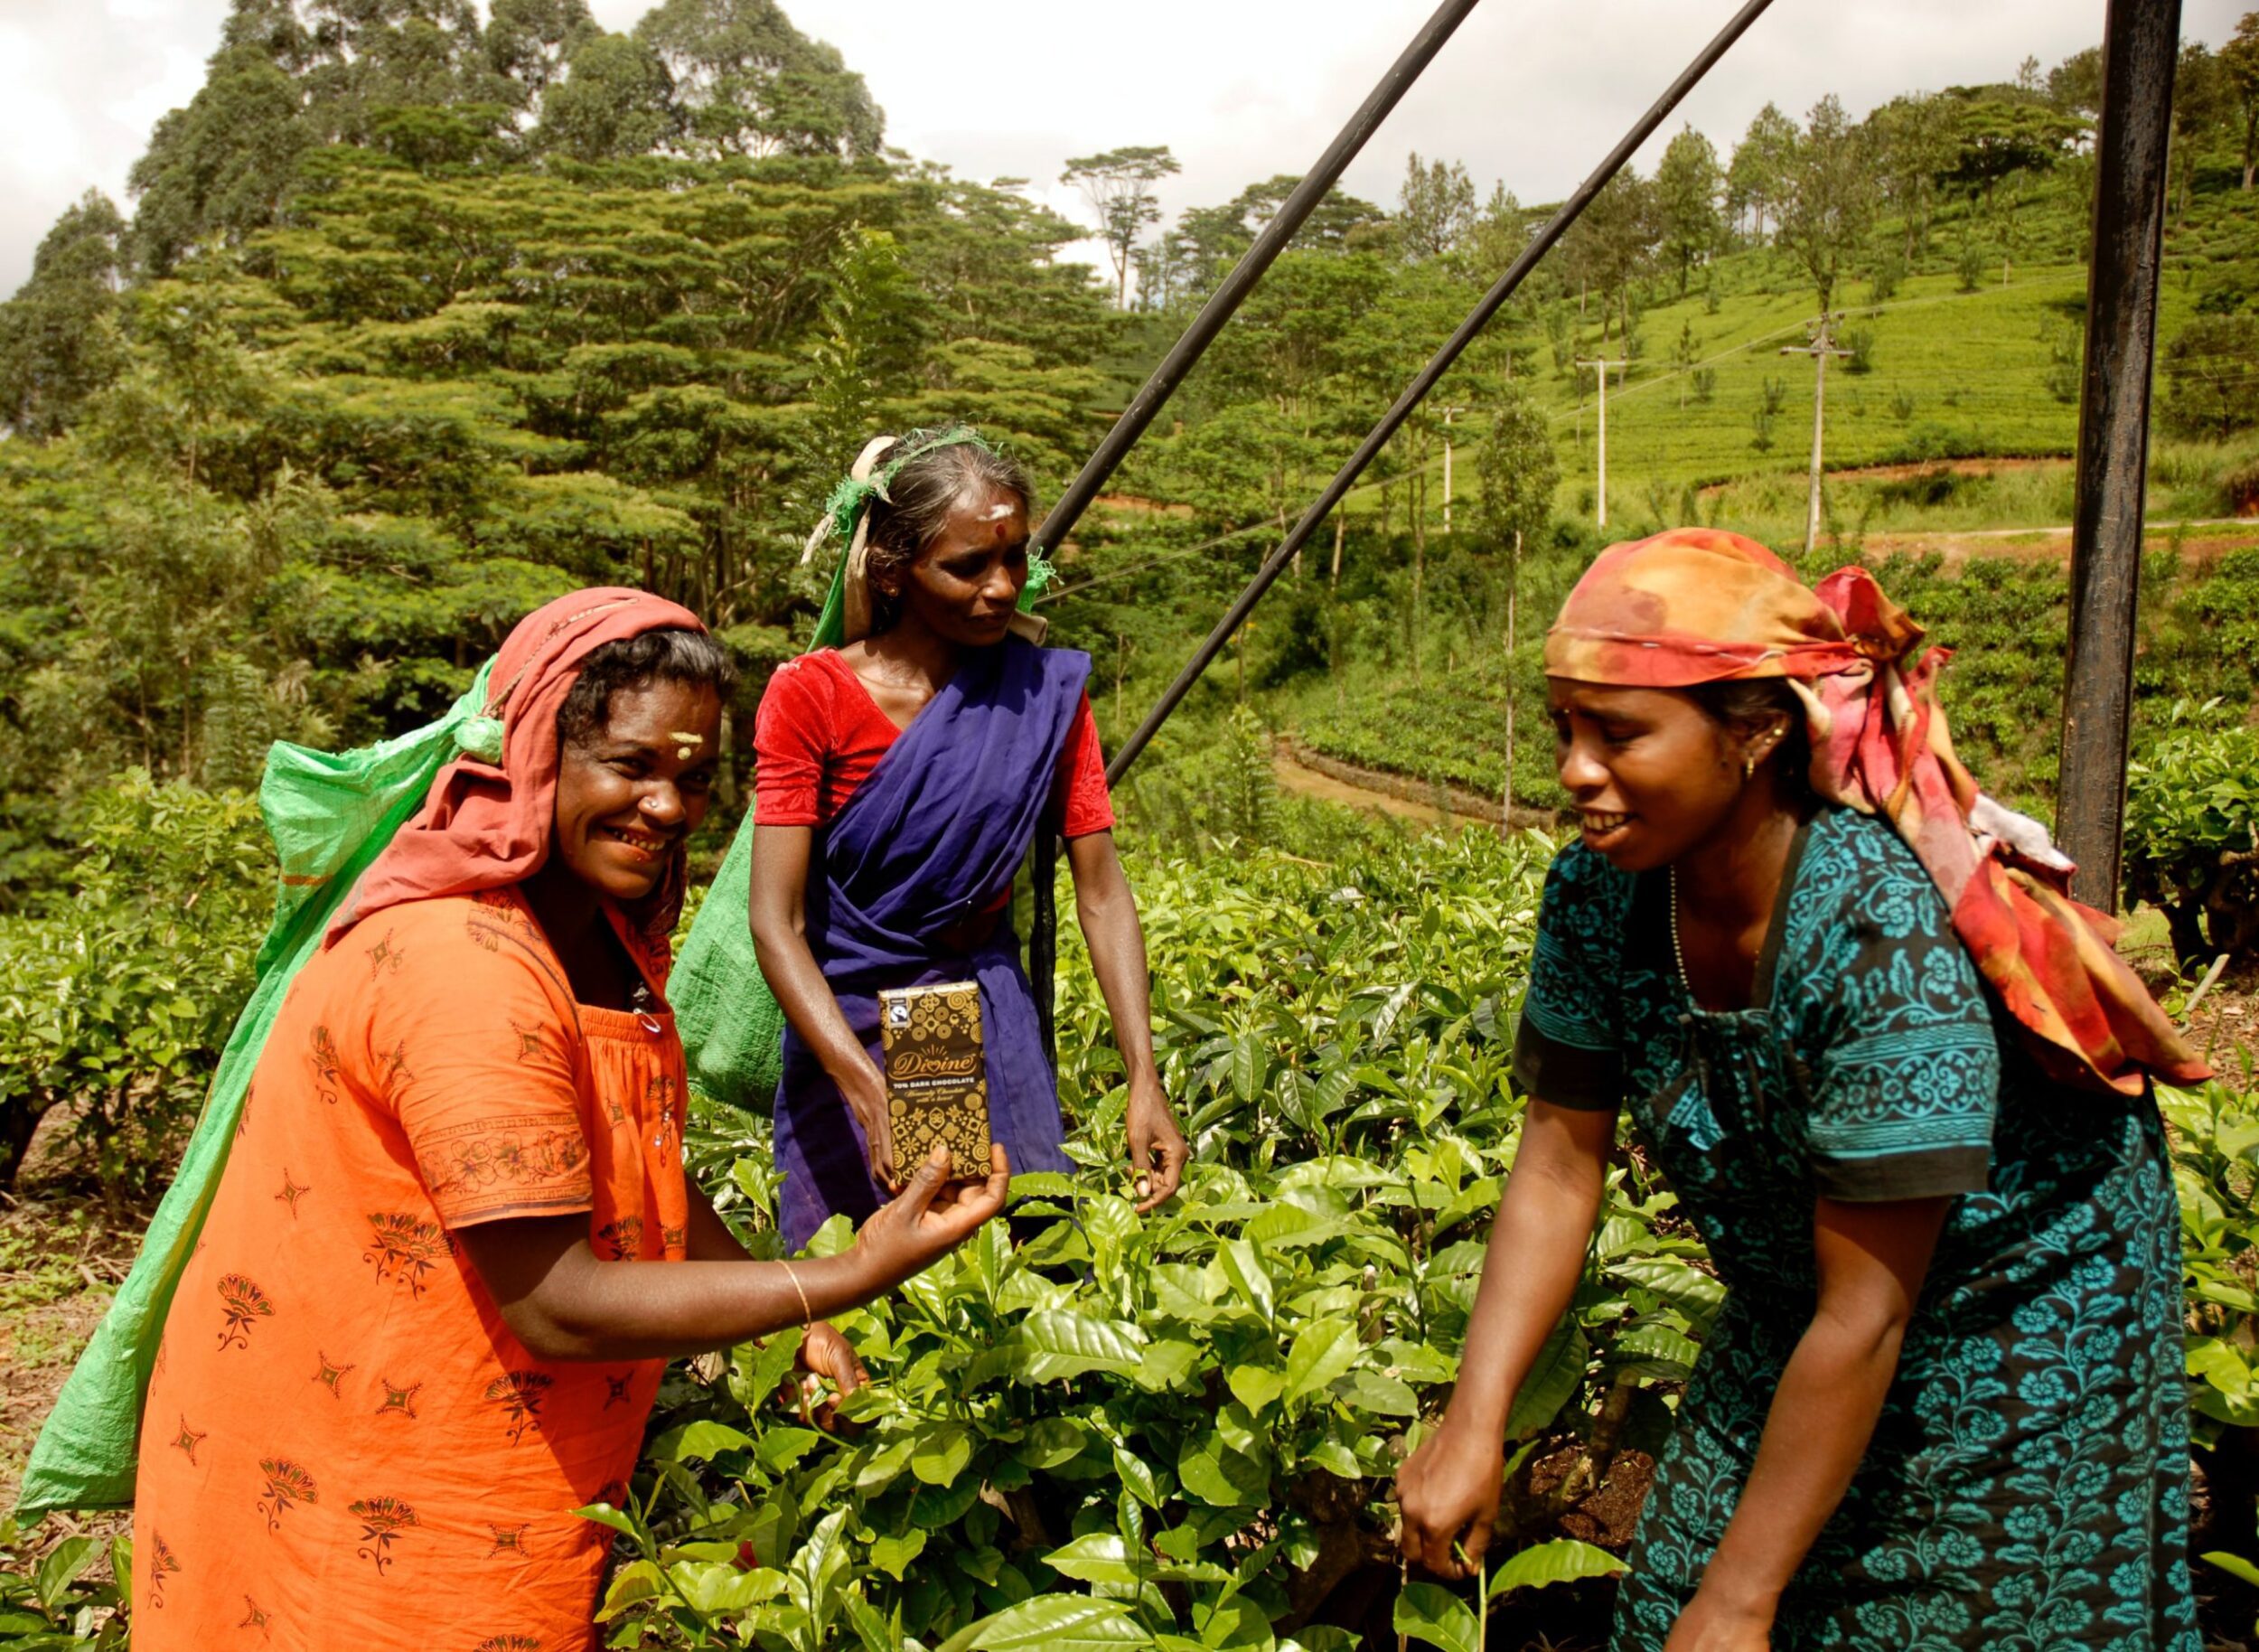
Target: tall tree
pixel 223 166
pixel 371 57
pixel 2001 131
pixel 1435 209
pixel 1610 247
pixel 57 345
pixel 1754 178
pixel 1119 185
pixel 1915 141
pixel 616 99
pixel 528 44
pixel 1688 182
pixel 2075 84
pixel 1517 473
pixel 752 84
pixel 2239 70
pixel 2201 108
pixel 1828 208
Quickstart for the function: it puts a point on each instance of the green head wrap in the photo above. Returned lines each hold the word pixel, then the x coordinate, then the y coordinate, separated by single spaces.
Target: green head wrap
pixel 847 518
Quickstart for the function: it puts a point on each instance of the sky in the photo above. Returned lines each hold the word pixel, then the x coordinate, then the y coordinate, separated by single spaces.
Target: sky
pixel 1531 92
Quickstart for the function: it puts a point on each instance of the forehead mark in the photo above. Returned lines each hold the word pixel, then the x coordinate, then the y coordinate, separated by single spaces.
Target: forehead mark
pixel 679 738
pixel 999 511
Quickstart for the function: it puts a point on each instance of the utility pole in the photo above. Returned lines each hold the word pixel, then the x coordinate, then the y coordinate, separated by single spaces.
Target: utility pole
pixel 1602 520
pixel 1447 412
pixel 1822 347
pixel 2140 50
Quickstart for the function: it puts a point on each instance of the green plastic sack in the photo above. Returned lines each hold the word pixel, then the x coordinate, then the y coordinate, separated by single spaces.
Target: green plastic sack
pixel 731 1025
pixel 330 815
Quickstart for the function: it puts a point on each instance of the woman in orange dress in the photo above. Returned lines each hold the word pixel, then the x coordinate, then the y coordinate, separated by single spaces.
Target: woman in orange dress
pixel 454 1248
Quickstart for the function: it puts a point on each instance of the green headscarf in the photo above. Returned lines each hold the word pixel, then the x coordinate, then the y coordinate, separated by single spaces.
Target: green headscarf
pixel 846 615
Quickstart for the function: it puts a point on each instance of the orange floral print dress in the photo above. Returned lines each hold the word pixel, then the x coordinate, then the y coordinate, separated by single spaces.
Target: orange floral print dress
pixel 344 1445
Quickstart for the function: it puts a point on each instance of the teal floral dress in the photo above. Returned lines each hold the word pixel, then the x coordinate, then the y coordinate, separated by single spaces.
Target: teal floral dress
pixel 2027 1487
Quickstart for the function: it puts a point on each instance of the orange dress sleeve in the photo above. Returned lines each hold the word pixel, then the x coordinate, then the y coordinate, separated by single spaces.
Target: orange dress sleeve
pixel 478 1054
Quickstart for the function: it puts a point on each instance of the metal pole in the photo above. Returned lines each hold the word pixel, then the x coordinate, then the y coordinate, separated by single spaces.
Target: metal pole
pixel 1437 366
pixel 1227 298
pixel 1043 939
pixel 2141 43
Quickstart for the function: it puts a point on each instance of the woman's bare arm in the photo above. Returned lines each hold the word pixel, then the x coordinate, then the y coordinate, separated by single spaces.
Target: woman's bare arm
pixel 1108 913
pixel 564 1303
pixel 1447 1490
pixel 781 859
pixel 1871 1262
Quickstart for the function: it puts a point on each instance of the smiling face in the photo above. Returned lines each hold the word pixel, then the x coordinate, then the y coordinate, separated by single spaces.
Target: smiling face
pixel 630 792
pixel 966 582
pixel 1653 776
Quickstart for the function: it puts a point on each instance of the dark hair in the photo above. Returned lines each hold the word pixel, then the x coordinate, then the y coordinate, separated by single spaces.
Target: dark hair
pixel 922 494
pixel 693 658
pixel 1751 701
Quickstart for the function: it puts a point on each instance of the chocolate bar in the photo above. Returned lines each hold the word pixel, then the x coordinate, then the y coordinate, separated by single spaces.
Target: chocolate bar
pixel 937 1075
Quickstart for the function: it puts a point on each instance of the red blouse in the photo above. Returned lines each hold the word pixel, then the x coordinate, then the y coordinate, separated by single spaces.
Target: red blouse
pixel 819 734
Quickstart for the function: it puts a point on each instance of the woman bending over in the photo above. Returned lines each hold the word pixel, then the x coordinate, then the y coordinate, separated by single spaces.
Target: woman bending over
pixel 1899 1084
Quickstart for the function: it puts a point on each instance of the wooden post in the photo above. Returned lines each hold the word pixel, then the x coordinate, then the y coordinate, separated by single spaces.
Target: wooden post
pixel 1819 349
pixel 2141 43
pixel 1601 518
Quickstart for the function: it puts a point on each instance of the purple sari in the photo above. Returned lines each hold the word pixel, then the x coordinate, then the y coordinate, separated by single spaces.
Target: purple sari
pixel 926 843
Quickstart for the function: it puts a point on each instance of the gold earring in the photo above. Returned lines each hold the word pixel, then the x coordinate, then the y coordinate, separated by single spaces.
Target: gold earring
pixel 1749 770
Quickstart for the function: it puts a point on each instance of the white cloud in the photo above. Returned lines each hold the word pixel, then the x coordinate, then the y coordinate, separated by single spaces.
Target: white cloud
pixel 1531 92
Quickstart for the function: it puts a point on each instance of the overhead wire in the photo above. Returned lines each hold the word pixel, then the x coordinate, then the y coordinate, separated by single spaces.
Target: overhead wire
pixel 1558 414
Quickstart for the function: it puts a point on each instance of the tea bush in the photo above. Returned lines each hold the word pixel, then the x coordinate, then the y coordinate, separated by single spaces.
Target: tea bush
pixel 2193 834
pixel 118 998
pixel 1177 1431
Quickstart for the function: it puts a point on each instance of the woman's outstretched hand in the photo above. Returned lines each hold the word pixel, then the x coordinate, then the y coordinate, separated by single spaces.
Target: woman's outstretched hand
pixel 930 1219
pixel 1156 1148
pixel 825 1356
pixel 1447 1499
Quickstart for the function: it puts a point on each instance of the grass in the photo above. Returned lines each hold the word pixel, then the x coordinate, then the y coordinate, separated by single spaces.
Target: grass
pixel 1948 374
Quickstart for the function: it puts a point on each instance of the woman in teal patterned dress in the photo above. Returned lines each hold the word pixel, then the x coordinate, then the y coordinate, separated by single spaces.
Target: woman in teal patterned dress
pixel 1900 1087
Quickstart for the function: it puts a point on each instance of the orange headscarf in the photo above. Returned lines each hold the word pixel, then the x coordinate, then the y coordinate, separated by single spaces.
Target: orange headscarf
pixel 1697 605
pixel 487 819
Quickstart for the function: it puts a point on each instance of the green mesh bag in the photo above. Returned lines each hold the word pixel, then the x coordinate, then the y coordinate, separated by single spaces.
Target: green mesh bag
pixel 330 815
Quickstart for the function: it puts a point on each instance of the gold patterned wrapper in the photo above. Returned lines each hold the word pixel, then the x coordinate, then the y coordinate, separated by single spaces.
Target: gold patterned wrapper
pixel 937 1082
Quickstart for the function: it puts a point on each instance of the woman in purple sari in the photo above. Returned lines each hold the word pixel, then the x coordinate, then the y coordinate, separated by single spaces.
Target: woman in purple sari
pixel 901 775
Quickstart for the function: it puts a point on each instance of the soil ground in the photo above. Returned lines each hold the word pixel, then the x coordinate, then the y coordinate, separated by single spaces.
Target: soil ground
pixel 64 1251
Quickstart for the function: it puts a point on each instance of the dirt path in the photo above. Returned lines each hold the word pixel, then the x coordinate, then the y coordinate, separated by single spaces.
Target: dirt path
pixel 1957 545
pixel 1296 777
pixel 1310 774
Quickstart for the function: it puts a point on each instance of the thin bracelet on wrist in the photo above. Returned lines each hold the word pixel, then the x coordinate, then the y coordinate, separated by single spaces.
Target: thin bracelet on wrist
pixel 807 1315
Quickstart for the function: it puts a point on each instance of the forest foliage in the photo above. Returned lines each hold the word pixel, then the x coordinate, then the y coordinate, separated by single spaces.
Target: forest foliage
pixel 424 316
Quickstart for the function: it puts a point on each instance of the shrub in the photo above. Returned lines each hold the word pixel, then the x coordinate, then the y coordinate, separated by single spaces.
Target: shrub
pixel 2193 834
pixel 1186 1425
pixel 119 999
pixel 2210 389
